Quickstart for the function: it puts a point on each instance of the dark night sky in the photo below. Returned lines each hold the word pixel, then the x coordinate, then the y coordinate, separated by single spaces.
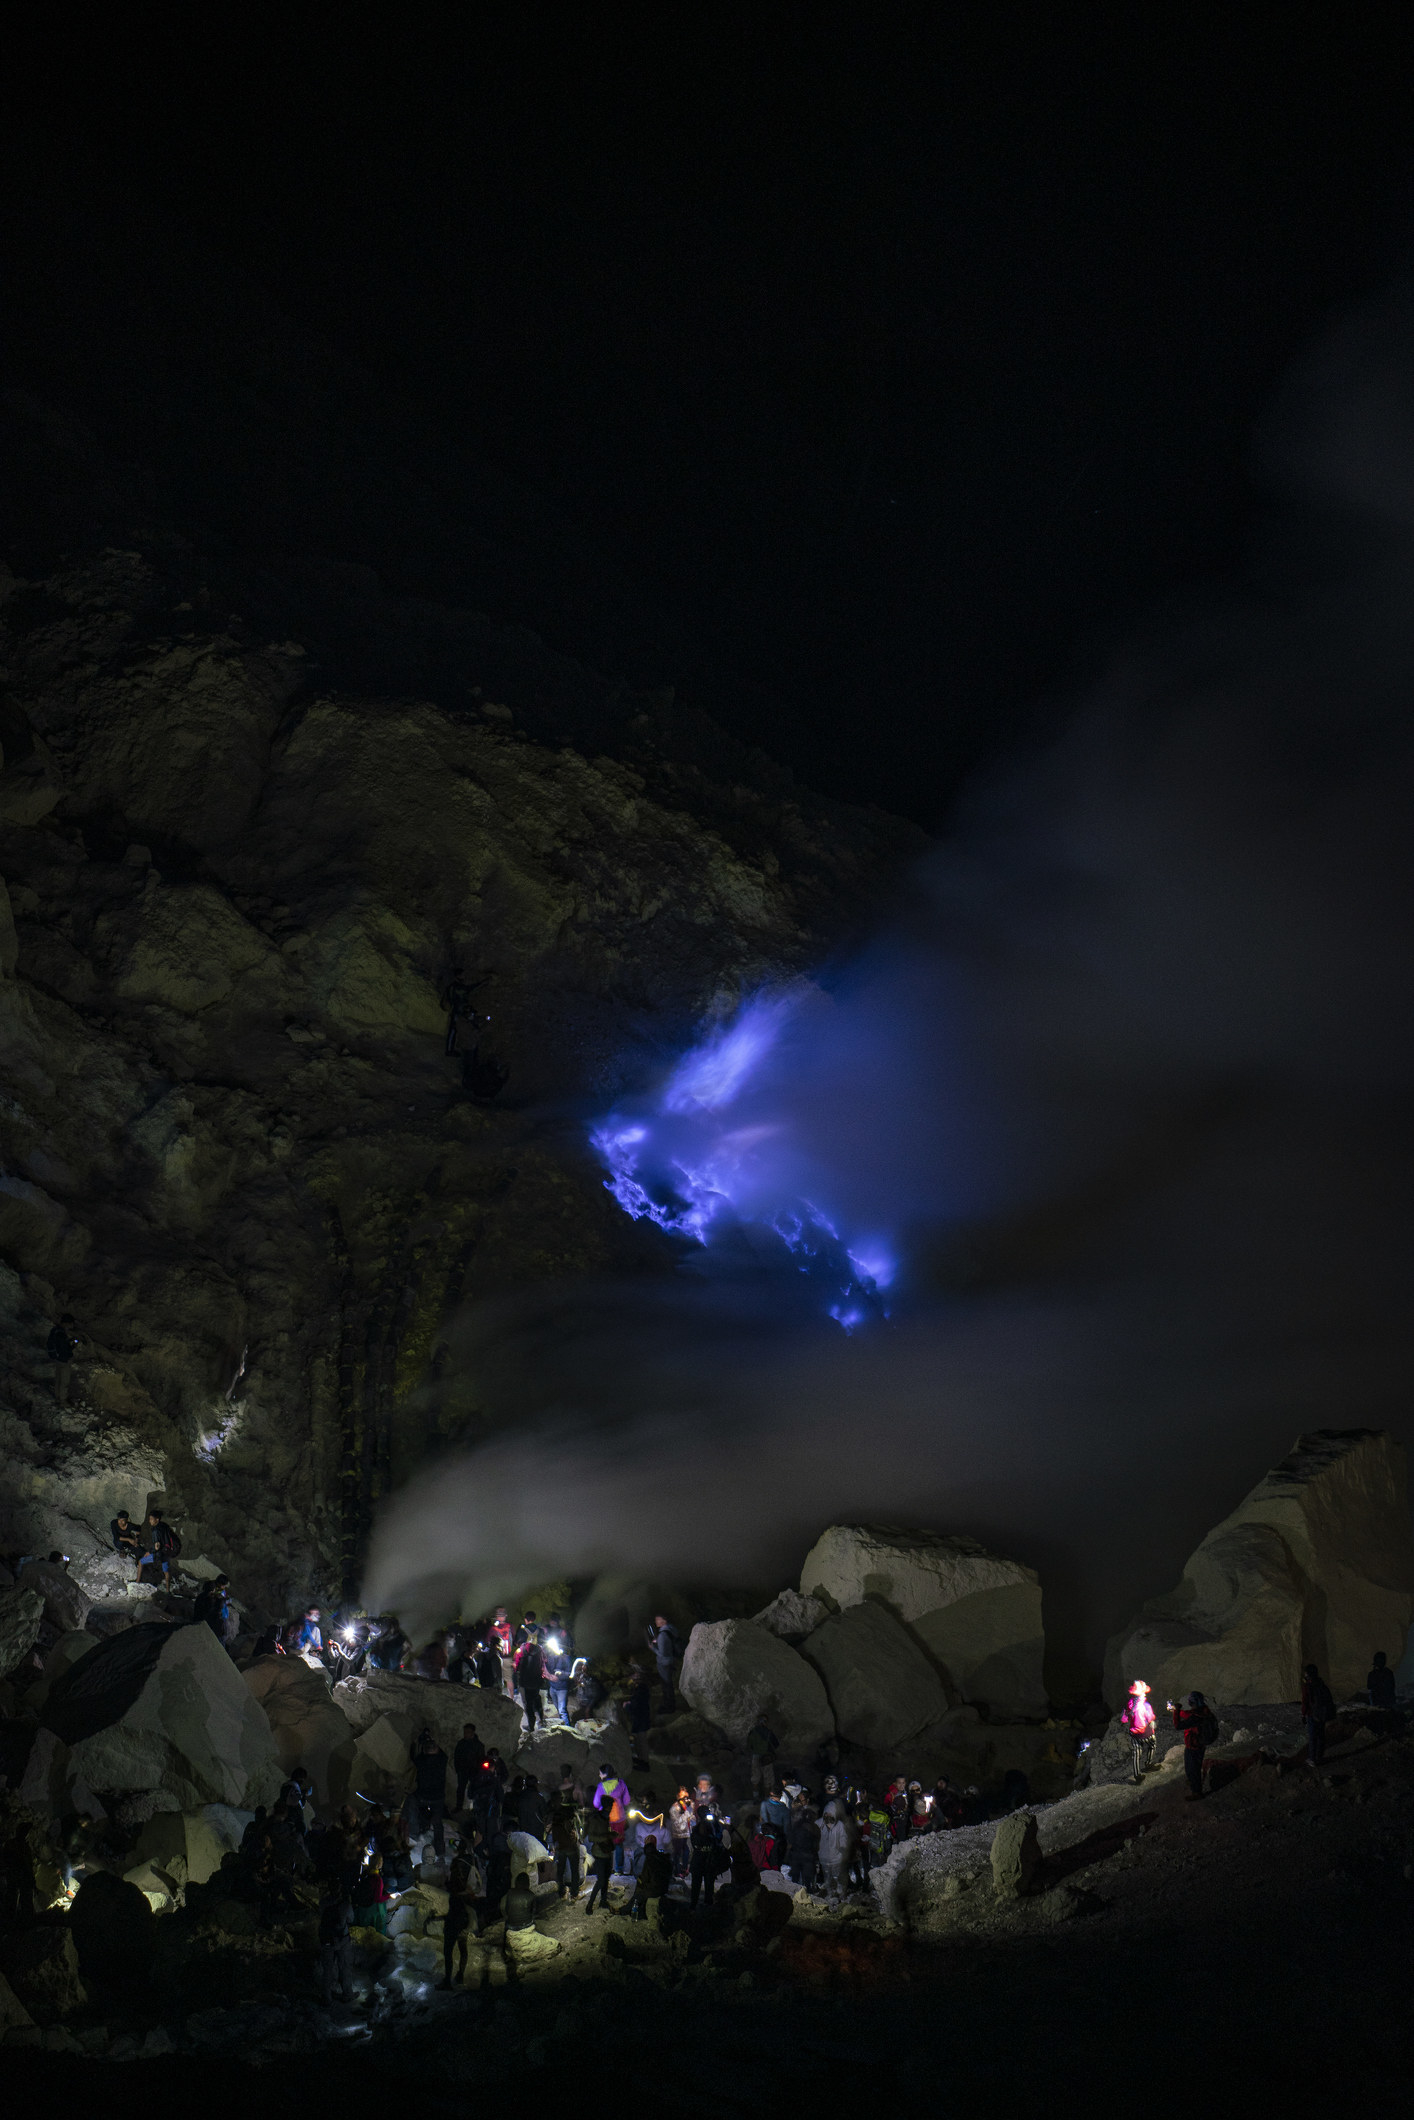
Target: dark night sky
pixel 896 360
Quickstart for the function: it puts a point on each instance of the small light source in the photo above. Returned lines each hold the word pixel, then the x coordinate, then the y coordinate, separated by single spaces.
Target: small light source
pixel 350 1634
pixel 552 1645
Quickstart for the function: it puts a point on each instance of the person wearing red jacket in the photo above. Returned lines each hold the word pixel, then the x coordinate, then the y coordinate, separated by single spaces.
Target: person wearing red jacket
pixel 1137 1718
pixel 1195 1720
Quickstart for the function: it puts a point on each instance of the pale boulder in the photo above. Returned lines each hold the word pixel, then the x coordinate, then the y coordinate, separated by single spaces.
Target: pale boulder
pixel 433 1704
pixel 184 1845
pixel 1315 1565
pixel 307 1723
pixel 976 1614
pixel 549 1752
pixel 792 1616
pixel 1016 1855
pixel 164 1710
pixel 734 1672
pixel 881 1686
pixel 375 1765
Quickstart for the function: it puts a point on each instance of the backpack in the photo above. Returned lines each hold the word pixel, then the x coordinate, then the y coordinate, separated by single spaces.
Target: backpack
pixel 1208 1732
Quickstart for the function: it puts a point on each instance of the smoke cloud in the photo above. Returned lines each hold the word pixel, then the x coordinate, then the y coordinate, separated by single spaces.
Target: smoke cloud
pixel 1114 1123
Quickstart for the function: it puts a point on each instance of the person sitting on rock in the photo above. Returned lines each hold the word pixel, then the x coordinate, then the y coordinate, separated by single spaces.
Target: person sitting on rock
pixel 1379 1683
pixel 524 1941
pixel 124 1533
pixel 61 1347
pixel 162 1548
pixel 589 1690
pixel 1137 1717
pixel 309 1637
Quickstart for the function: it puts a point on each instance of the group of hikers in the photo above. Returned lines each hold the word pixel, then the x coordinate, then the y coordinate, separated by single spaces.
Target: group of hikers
pixel 1196 1721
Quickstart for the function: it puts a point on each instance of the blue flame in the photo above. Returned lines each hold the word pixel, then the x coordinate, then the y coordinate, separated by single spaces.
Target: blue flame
pixel 720 1149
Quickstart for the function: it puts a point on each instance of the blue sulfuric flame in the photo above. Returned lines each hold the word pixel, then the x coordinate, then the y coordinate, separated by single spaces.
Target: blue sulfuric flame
pixel 722 1150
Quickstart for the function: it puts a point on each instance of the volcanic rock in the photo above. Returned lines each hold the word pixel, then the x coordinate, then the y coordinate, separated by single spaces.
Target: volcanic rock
pixel 163 1709
pixel 792 1616
pixel 1315 1565
pixel 14 2017
pixel 66 1602
pixel 881 1686
pixel 42 1967
pixel 735 1672
pixel 1016 1854
pixel 375 1765
pixel 432 1704
pixel 308 1725
pixel 977 1615
pixel 65 1653
pixel 21 1615
pixel 549 1752
pixel 185 1844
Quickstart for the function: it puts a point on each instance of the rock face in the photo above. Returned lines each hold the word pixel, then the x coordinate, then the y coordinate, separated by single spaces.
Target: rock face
pixel 307 1724
pixel 1016 1855
pixel 1316 1565
pixel 66 1602
pixel 184 1845
pixel 21 1614
pixel 42 1968
pixel 433 1704
pixel 238 887
pixel 734 1671
pixel 164 1710
pixel 881 1687
pixel 792 1616
pixel 551 1751
pixel 14 2017
pixel 977 1615
pixel 376 1765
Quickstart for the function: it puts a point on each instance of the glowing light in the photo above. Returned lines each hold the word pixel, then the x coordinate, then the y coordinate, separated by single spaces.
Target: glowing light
pixel 698 1169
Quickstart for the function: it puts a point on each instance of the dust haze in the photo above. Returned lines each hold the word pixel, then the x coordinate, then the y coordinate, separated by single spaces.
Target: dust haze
pixel 1126 1085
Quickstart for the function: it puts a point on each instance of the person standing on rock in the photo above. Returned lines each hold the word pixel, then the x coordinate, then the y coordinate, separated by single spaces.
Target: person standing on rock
pixel 762 1744
pixel 1379 1683
pixel 680 1817
pixel 1199 1726
pixel 429 1796
pixel 499 1635
pixel 638 1711
pixel 335 1950
pixel 1137 1718
pixel 461 1891
pixel 666 1644
pixel 1317 1709
pixel 213 1605
pixel 62 1346
pixel 566 1823
pixel 468 1759
pixel 803 1843
pixel 836 1848
pixel 599 1833
pixel 530 1678
pixel 705 1857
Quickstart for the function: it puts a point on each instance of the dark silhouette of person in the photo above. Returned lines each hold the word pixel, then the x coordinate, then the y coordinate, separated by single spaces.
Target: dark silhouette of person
pixel 1379 1685
pixel 1317 1709
pixel 62 1346
pixel 483 1078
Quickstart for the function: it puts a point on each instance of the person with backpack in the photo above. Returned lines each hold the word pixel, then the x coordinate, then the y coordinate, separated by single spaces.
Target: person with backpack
pixel 599 1835
pixel 1137 1717
pixel 1317 1709
pixel 1199 1726
pixel 163 1546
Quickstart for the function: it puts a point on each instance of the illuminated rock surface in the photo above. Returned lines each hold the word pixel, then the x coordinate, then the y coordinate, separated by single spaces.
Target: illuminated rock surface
pixel 164 1710
pixel 424 1703
pixel 734 1671
pixel 1316 1565
pixel 308 1726
pixel 977 1615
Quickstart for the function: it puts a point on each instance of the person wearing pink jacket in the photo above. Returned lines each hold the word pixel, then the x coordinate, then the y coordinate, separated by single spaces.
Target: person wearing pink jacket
pixel 1138 1718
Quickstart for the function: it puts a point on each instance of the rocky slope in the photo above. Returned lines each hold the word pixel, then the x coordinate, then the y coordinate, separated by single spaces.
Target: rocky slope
pixel 232 1145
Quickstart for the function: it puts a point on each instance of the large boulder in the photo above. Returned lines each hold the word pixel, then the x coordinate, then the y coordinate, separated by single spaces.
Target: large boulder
pixel 42 1968
pixel 977 1614
pixel 21 1616
pixel 1016 1855
pixel 432 1704
pixel 66 1602
pixel 307 1723
pixel 113 1929
pixel 375 1766
pixel 792 1616
pixel 187 1846
pixel 549 1752
pixel 65 1653
pixel 1316 1565
pixel 163 1710
pixel 882 1687
pixel 734 1671
pixel 14 2017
